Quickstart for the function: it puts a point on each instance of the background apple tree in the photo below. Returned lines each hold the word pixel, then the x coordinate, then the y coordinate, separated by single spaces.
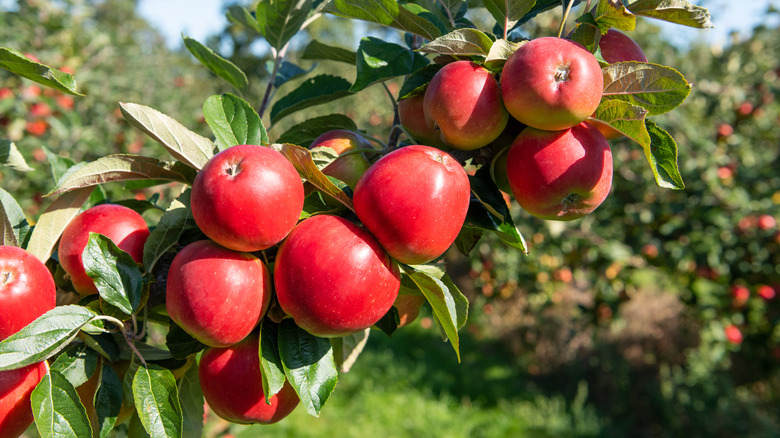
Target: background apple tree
pixel 628 305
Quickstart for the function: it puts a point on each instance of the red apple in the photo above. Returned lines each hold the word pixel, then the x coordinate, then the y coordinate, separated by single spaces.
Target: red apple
pixel 231 381
pixel 414 200
pixel 464 101
pixel 551 83
pixel 350 167
pixel 411 114
pixel 560 175
pixel 27 289
pixel 215 294
pixel 740 295
pixel 733 334
pixel 247 198
pixel 618 47
pixel 766 222
pixel 408 307
pixel 16 386
pixel 766 292
pixel 333 277
pixel 126 228
pixel 37 127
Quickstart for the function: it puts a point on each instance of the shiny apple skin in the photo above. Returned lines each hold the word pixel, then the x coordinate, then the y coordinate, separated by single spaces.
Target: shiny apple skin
pixel 350 167
pixel 27 289
pixel 16 386
pixel 618 47
pixel 411 114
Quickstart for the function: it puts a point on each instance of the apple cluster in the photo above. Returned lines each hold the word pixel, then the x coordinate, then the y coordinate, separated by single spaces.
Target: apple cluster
pixel 555 163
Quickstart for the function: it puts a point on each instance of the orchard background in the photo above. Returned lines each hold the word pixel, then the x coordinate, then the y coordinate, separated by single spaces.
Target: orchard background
pixel 618 324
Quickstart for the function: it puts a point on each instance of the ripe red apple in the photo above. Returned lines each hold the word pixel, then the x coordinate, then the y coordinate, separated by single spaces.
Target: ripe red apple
pixel 350 167
pixel 232 385
pixel 740 295
pixel 551 83
pixel 333 277
pixel 464 101
pixel 560 175
pixel 37 127
pixel 766 292
pixel 27 289
pixel 408 307
pixel 618 47
pixel 411 114
pixel 126 228
pixel 247 198
pixel 215 294
pixel 414 201
pixel 733 334
pixel 766 222
pixel 16 386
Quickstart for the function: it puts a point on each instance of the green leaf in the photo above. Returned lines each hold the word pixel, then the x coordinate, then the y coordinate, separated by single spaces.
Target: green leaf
pixel 488 210
pixel 445 301
pixel 122 167
pixel 320 51
pixel 176 220
pixel 302 160
pixel 390 13
pixel 21 65
pixel 108 400
pixel 15 228
pixel 135 429
pixel 346 349
pixel 417 82
pixel 467 239
pixel 115 273
pixel 662 155
pixel 280 20
pixel 314 91
pixel 77 364
pixel 156 399
pixel 191 399
pixel 628 119
pixel 54 220
pixel 308 364
pixel 44 337
pixel 233 121
pixel 241 15
pixel 673 11
pixel 656 88
pixel 270 362
pixel 508 12
pixel 303 134
pixel 12 158
pixel 378 61
pixel 57 409
pixel 58 165
pixel 499 52
pixel 287 71
pixel 180 343
pixel 612 13
pixel 388 323
pixel 103 344
pixel 217 64
pixel 587 33
pixel 463 42
pixel 183 144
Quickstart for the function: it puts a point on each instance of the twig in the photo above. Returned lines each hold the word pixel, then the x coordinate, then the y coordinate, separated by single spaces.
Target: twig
pixel 449 13
pixel 565 17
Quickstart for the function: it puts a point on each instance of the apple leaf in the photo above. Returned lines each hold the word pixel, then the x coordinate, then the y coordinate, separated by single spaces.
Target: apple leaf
pixel 346 349
pixel 114 272
pixel 488 210
pixel 378 61
pixel 320 51
pixel 156 398
pixel 314 91
pixel 241 15
pixel 388 323
pixel 121 167
pixel 233 121
pixel 673 11
pixel 308 364
pixel 108 400
pixel 654 87
pixel 12 158
pixel 449 305
pixel 270 362
pixel 280 20
pixel 302 160
pixel 15 228
pixel 286 72
pixel 467 239
pixel 662 155
pixel 103 343
pixel 464 42
pixel 624 117
pixel 509 12
pixel 303 134
pixel 176 220
pixel 180 343
pixel 217 64
pixel 54 220
pixel 191 399
pixel 25 67
pixel 612 13
pixel 184 145
pixel 57 409
pixel 77 364
pixel 406 17
pixel 416 83
pixel 44 337
pixel 587 33
pixel 499 52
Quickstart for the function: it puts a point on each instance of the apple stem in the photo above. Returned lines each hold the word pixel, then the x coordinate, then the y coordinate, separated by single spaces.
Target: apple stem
pixel 565 16
pixel 128 337
pixel 269 88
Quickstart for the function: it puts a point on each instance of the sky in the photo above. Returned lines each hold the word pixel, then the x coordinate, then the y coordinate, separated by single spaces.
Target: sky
pixel 200 18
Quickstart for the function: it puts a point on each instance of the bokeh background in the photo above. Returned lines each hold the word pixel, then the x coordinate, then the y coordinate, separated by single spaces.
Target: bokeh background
pixel 655 316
